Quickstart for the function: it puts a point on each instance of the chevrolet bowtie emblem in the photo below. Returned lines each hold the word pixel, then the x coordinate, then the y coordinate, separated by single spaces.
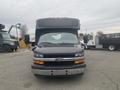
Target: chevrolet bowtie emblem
pixel 58 59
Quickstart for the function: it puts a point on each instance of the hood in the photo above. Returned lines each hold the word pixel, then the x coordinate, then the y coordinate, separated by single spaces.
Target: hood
pixel 57 50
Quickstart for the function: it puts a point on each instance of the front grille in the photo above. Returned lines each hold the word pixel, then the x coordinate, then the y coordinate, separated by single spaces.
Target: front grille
pixel 58 55
pixel 59 63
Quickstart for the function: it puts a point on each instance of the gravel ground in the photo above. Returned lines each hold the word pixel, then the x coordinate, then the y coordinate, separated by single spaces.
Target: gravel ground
pixel 102 73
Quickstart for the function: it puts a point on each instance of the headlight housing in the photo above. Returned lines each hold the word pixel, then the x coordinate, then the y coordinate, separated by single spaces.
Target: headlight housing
pixel 38 55
pixel 80 54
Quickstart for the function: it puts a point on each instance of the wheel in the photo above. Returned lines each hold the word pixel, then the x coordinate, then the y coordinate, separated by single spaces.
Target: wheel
pixel 15 49
pixel 111 47
pixel 88 48
pixel 11 50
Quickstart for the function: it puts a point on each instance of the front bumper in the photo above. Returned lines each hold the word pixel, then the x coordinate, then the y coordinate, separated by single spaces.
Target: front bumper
pixel 58 72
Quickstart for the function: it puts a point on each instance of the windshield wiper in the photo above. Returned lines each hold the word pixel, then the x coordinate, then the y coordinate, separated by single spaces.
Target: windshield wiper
pixel 64 43
pixel 47 43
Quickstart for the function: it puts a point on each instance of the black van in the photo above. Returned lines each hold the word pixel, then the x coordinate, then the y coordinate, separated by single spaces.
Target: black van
pixel 6 43
pixel 58 50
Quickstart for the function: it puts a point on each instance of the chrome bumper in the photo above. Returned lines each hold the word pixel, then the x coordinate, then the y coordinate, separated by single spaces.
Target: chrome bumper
pixel 58 72
pixel 54 59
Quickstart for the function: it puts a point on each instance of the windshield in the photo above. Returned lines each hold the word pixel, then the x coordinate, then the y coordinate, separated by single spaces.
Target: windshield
pixel 58 38
pixel 5 36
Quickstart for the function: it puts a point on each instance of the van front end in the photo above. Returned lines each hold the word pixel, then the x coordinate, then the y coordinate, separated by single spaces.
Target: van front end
pixel 58 50
pixel 58 66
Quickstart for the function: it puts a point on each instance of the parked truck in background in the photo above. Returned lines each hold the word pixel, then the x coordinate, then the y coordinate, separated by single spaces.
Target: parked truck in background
pixel 57 48
pixel 106 41
pixel 6 42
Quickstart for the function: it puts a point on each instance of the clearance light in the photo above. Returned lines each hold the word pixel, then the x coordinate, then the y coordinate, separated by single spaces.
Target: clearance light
pixel 79 61
pixel 38 62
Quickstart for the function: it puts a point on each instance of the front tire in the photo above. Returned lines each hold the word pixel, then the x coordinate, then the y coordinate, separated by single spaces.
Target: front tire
pixel 15 49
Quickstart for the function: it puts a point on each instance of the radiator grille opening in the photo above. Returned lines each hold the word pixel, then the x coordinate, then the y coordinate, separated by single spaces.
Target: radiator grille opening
pixel 59 63
pixel 58 55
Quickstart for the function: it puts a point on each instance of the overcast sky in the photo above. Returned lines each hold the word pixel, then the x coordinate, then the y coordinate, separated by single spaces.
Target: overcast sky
pixel 93 14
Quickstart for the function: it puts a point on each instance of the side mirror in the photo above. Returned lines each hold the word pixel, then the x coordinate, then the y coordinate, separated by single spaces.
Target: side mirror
pixel 34 48
pixel 83 45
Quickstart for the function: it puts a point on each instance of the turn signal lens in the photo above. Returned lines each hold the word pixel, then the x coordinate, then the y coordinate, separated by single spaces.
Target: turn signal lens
pixel 79 61
pixel 38 62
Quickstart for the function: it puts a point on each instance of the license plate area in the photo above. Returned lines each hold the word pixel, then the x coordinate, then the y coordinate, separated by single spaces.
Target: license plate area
pixel 59 72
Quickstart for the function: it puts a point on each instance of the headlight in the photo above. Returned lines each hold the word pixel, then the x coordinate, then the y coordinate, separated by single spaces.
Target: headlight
pixel 80 54
pixel 38 55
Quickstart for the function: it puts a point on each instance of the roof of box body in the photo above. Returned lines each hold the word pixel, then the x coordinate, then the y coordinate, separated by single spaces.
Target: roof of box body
pixel 71 23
